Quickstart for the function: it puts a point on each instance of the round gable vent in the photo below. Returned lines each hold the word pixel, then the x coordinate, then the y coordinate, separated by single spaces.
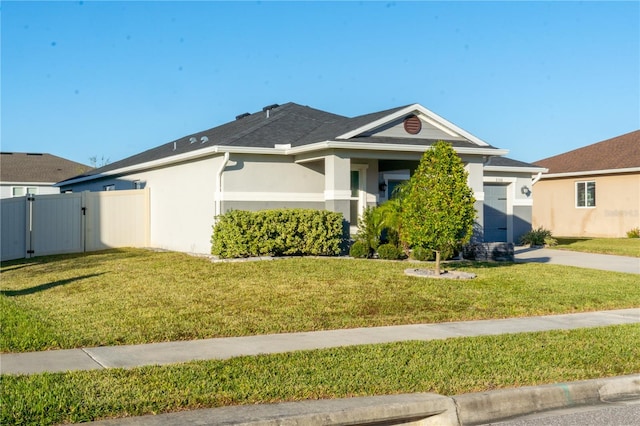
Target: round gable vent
pixel 412 125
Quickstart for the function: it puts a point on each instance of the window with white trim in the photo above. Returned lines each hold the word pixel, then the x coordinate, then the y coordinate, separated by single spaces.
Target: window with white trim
pixel 20 191
pixel 586 194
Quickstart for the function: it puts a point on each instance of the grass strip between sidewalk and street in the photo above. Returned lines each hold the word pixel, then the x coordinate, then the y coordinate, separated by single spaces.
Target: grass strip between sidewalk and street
pixel 134 296
pixel 614 246
pixel 447 367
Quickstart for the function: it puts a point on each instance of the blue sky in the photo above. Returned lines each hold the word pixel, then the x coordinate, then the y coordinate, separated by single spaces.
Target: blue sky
pixel 111 79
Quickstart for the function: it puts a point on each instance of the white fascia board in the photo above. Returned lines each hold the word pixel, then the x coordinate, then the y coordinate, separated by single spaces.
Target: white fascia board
pixel 28 183
pixel 379 122
pixel 219 149
pixel 433 118
pixel 446 123
pixel 363 146
pixel 143 166
pixel 515 169
pixel 591 173
pixel 200 153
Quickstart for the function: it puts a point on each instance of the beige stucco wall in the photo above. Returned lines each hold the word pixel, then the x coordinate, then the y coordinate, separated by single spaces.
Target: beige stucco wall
pixel 181 202
pixel 617 207
pixel 272 174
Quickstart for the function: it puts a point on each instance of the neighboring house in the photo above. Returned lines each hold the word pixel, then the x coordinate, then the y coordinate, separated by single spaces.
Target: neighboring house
pixel 31 173
pixel 296 156
pixel 592 191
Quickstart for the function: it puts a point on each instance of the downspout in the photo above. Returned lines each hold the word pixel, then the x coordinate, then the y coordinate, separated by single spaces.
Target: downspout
pixel 218 198
pixel 537 178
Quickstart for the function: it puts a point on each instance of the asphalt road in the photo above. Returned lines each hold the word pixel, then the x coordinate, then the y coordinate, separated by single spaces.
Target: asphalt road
pixel 621 413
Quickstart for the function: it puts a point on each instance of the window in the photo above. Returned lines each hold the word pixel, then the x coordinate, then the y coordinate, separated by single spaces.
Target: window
pixel 109 187
pixel 586 194
pixel 21 191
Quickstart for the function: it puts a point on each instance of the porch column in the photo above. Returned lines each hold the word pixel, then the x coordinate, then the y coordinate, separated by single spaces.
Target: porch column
pixel 337 184
pixel 475 168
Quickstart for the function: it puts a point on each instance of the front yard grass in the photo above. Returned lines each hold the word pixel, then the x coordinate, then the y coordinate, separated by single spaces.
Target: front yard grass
pixel 138 296
pixel 615 246
pixel 448 367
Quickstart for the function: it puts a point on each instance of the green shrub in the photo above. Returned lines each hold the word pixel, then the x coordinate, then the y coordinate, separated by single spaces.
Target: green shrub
pixel 389 252
pixel 550 242
pixel 634 233
pixel 359 249
pixel 277 232
pixel 536 237
pixel 423 254
pixel 368 229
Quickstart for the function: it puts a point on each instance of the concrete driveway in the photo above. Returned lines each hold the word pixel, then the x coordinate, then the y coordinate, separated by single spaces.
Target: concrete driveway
pixel 604 262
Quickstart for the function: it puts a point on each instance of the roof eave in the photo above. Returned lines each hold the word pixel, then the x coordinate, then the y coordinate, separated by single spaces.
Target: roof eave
pixel 591 173
pixel 515 169
pixel 388 147
pixel 318 146
pixel 24 182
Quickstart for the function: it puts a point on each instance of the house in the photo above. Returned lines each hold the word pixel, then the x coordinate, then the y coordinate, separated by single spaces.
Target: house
pixel 592 191
pixel 299 157
pixel 34 173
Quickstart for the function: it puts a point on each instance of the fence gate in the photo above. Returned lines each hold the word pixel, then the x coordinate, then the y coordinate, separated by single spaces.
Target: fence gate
pixel 56 224
pixel 73 223
pixel 13 228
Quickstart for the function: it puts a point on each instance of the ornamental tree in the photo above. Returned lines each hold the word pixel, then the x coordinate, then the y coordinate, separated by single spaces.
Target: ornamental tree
pixel 438 211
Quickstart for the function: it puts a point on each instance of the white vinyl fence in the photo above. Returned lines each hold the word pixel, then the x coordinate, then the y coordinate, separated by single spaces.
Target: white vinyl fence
pixel 73 223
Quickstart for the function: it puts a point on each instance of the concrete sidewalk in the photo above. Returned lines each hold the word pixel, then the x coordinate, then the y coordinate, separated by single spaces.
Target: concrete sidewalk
pixel 128 356
pixel 603 262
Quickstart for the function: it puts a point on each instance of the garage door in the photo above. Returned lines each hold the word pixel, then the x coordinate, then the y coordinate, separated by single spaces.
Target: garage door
pixel 495 213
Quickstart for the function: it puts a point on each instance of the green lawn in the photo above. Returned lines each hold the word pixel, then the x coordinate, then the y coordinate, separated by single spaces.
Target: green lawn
pixel 139 296
pixel 616 246
pixel 447 367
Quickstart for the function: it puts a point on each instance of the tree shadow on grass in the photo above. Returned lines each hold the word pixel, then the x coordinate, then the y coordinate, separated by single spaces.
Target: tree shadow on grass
pixel 47 286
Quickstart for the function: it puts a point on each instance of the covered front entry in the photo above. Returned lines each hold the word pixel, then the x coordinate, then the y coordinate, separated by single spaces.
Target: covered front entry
pixel 495 213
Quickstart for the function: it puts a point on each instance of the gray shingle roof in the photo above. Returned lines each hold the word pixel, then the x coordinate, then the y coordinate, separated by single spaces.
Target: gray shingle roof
pixel 35 167
pixel 507 162
pixel 289 123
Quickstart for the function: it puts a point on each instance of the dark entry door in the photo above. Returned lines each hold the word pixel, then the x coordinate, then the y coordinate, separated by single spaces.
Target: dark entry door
pixel 495 213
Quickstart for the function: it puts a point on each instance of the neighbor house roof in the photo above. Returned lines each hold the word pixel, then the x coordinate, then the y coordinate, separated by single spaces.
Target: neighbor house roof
pixel 501 164
pixel 294 128
pixel 23 167
pixel 616 154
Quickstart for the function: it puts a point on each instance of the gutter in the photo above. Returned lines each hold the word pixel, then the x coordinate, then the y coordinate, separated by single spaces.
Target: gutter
pixel 514 169
pixel 283 149
pixel 592 173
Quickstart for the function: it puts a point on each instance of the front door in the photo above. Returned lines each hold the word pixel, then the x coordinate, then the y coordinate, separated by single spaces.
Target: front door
pixel 495 213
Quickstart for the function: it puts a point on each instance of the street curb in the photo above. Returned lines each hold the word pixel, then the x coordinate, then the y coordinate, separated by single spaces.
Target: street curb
pixel 484 407
pixel 424 409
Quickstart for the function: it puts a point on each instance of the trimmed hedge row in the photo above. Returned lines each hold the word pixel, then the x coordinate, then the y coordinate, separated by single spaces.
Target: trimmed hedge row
pixel 241 233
